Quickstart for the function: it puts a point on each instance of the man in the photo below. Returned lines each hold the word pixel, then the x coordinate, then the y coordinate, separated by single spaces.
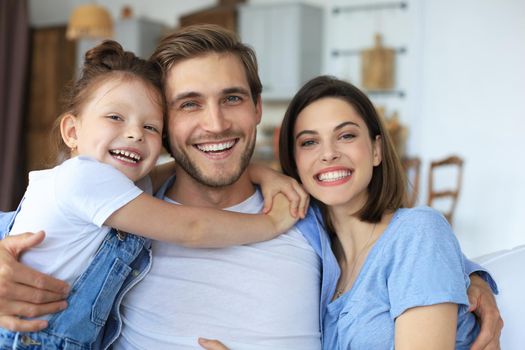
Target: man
pixel 260 296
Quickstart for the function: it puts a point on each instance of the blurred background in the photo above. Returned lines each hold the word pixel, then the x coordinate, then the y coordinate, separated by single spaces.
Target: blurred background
pixel 447 76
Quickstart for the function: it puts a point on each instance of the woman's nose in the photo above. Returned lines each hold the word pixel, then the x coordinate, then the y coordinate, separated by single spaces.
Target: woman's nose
pixel 330 154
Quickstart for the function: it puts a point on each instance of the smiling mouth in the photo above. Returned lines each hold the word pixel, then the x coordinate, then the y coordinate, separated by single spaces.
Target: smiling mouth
pixel 332 176
pixel 126 156
pixel 216 147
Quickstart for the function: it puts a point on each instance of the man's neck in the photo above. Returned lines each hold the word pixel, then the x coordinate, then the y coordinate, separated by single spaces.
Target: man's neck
pixel 188 191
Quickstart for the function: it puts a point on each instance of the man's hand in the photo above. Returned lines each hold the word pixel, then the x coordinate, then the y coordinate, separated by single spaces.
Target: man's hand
pixel 483 304
pixel 23 291
pixel 212 344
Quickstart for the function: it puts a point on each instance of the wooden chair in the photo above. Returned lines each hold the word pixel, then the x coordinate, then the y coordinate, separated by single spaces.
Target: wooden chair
pixel 412 167
pixel 447 194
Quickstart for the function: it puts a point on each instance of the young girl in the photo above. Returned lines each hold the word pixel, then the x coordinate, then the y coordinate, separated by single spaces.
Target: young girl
pixel 401 282
pixel 113 129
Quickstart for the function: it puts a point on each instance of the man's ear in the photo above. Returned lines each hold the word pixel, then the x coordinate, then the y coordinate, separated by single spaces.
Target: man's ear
pixel 378 156
pixel 68 129
pixel 258 109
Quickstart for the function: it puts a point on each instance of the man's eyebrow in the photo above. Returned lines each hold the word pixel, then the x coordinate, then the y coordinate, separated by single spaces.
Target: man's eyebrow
pixel 236 90
pixel 312 132
pixel 184 95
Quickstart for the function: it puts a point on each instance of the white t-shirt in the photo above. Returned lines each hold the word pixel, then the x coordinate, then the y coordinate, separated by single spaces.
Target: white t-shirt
pixel 70 203
pixel 251 297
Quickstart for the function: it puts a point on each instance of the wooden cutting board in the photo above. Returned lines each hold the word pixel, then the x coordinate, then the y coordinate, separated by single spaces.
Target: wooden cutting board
pixel 377 66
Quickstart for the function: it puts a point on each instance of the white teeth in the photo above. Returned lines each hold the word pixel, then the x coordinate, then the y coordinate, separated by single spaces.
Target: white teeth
pixel 126 155
pixel 215 147
pixel 334 175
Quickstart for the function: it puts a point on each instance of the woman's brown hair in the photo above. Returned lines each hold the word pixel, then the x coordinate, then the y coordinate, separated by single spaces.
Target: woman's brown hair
pixel 387 189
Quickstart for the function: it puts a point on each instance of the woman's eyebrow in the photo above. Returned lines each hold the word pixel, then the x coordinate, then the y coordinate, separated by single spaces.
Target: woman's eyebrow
pixel 342 125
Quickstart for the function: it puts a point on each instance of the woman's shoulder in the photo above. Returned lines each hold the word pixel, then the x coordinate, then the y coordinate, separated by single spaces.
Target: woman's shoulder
pixel 420 222
pixel 418 216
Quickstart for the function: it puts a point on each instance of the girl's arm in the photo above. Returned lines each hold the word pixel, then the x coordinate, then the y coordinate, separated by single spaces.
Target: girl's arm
pixel 427 327
pixel 273 182
pixel 199 227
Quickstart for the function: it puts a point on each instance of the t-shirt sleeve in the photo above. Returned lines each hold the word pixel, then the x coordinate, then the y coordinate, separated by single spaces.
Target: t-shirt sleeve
pixel 426 265
pixel 91 191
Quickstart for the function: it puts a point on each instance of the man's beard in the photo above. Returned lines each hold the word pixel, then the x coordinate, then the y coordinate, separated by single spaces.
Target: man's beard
pixel 214 180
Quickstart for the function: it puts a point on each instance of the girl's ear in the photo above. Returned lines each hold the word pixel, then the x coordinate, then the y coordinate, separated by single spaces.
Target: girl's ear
pixel 68 129
pixel 378 157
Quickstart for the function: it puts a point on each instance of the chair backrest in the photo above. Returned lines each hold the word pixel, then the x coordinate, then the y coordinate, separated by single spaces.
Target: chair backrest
pixel 448 194
pixel 506 267
pixel 412 166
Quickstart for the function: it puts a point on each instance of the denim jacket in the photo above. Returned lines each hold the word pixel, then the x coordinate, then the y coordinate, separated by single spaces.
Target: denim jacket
pixel 92 319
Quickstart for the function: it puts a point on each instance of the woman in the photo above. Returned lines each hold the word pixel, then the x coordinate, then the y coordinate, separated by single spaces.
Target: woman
pixel 401 281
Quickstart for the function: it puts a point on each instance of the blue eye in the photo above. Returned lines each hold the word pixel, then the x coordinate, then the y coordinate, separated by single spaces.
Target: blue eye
pixel 233 99
pixel 188 105
pixel 348 136
pixel 307 143
pixel 151 128
pixel 114 117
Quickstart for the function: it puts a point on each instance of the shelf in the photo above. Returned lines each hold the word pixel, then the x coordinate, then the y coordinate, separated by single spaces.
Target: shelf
pixel 354 52
pixel 370 7
pixel 398 93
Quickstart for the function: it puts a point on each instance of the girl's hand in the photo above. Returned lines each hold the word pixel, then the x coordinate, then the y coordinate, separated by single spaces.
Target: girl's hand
pixel 273 182
pixel 210 344
pixel 280 214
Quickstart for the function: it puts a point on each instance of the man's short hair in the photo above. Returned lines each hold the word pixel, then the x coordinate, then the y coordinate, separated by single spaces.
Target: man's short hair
pixel 198 40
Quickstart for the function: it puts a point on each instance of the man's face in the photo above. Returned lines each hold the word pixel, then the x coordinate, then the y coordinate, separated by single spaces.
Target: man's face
pixel 212 118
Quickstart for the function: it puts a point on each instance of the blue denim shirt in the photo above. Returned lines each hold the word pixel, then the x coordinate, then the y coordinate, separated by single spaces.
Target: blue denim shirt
pixel 92 319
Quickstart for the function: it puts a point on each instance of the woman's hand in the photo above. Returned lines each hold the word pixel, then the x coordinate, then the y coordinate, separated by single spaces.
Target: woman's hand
pixel 212 344
pixel 483 304
pixel 273 182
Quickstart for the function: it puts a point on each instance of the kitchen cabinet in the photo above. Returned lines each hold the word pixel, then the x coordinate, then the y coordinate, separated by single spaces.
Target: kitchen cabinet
pixel 288 40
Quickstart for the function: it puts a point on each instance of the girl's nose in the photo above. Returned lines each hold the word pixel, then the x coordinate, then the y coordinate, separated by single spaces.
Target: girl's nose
pixel 135 132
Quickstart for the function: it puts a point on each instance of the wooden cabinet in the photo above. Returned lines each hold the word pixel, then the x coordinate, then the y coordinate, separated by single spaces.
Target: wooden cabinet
pixel 288 41
pixel 52 67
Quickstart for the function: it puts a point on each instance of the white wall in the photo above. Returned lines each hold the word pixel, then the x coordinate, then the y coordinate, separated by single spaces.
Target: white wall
pixel 464 75
pixel 472 87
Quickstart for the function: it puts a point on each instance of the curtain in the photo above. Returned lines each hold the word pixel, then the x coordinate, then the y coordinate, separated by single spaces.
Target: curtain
pixel 14 46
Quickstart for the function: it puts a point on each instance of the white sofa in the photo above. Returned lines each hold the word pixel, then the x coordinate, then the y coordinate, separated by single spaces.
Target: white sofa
pixel 508 269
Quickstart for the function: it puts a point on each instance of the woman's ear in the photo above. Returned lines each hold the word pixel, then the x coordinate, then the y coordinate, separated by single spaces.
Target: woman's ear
pixel 68 129
pixel 378 156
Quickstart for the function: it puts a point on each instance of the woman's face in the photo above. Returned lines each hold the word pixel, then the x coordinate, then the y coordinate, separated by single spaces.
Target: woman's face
pixel 334 153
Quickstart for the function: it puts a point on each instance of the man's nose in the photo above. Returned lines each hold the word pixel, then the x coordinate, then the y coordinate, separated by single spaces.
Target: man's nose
pixel 215 120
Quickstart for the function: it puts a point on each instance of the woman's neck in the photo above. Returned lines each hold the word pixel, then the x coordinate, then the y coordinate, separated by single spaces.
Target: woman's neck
pixel 352 234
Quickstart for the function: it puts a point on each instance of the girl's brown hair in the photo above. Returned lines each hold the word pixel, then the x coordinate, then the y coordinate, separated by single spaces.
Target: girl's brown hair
pixel 387 189
pixel 107 60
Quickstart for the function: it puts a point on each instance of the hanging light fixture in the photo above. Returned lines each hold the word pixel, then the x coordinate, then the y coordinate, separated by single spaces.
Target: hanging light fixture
pixel 89 21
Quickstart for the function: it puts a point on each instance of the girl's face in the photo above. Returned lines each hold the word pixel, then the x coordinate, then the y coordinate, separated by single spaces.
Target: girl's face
pixel 334 154
pixel 121 125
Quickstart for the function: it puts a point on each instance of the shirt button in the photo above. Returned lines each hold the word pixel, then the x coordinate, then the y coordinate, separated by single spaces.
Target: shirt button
pixel 135 273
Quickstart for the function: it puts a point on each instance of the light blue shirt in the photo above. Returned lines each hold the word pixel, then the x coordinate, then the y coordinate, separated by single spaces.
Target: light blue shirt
pixel 417 261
